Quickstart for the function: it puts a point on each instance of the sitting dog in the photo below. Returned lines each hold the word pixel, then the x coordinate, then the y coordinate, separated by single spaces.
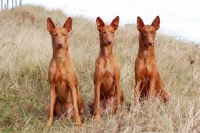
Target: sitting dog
pixel 147 78
pixel 65 100
pixel 108 95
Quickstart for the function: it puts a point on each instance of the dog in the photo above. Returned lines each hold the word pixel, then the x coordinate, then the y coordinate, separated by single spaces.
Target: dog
pixel 65 100
pixel 108 95
pixel 147 78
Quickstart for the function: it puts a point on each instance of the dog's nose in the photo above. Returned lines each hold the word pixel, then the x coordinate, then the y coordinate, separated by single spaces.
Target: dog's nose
pixel 150 43
pixel 60 44
pixel 109 41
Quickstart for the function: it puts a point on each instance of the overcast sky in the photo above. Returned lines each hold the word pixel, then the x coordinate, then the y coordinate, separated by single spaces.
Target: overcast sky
pixel 179 18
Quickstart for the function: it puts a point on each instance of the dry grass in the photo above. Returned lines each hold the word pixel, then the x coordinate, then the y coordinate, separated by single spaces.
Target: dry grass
pixel 25 52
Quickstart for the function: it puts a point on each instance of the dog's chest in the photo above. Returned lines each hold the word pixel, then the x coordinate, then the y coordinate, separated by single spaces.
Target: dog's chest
pixel 148 68
pixel 147 65
pixel 107 76
pixel 107 71
pixel 58 75
pixel 62 89
pixel 60 78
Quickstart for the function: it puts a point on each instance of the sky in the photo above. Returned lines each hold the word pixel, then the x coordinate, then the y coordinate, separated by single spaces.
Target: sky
pixel 180 18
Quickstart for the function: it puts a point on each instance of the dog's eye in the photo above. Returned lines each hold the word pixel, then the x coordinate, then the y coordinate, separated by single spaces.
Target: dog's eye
pixel 152 32
pixel 104 32
pixel 112 32
pixel 145 33
pixel 63 34
pixel 56 34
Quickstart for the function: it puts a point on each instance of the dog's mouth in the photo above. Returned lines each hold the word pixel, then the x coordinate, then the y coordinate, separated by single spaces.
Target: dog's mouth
pixel 148 44
pixel 108 42
pixel 60 46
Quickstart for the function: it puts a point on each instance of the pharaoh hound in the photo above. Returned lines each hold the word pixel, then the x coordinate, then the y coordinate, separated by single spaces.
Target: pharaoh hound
pixel 108 95
pixel 65 100
pixel 147 78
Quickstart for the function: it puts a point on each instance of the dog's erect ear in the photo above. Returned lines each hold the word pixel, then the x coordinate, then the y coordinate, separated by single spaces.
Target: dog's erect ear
pixel 99 23
pixel 140 23
pixel 68 24
pixel 156 23
pixel 50 24
pixel 115 22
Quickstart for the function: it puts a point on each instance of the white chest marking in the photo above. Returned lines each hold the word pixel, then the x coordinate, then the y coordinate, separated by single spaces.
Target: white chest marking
pixel 145 53
pixel 108 80
pixel 107 69
pixel 106 51
pixel 149 68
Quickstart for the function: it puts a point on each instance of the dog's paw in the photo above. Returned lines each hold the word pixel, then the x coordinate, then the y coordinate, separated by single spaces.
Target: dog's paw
pixel 118 112
pixel 136 103
pixel 49 123
pixel 97 119
pixel 79 124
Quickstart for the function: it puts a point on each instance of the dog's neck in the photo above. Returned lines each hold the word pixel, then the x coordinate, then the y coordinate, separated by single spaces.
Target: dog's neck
pixel 105 50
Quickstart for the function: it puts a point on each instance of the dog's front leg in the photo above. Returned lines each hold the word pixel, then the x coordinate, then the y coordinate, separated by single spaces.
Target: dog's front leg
pixel 152 90
pixel 137 92
pixel 164 95
pixel 74 97
pixel 52 103
pixel 97 101
pixel 118 92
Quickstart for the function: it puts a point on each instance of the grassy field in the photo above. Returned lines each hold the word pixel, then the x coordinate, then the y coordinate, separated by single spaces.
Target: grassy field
pixel 25 53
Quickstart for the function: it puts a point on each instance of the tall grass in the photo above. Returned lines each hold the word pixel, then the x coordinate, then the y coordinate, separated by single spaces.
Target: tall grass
pixel 25 53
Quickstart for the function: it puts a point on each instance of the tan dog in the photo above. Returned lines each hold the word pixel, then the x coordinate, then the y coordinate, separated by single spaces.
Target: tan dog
pixel 65 101
pixel 147 78
pixel 108 95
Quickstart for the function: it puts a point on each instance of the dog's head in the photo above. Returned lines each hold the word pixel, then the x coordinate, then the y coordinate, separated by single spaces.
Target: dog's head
pixel 148 32
pixel 106 32
pixel 59 34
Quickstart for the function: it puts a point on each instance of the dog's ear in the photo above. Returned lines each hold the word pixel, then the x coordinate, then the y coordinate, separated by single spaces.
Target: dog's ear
pixel 68 24
pixel 50 25
pixel 140 23
pixel 156 23
pixel 99 23
pixel 115 22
